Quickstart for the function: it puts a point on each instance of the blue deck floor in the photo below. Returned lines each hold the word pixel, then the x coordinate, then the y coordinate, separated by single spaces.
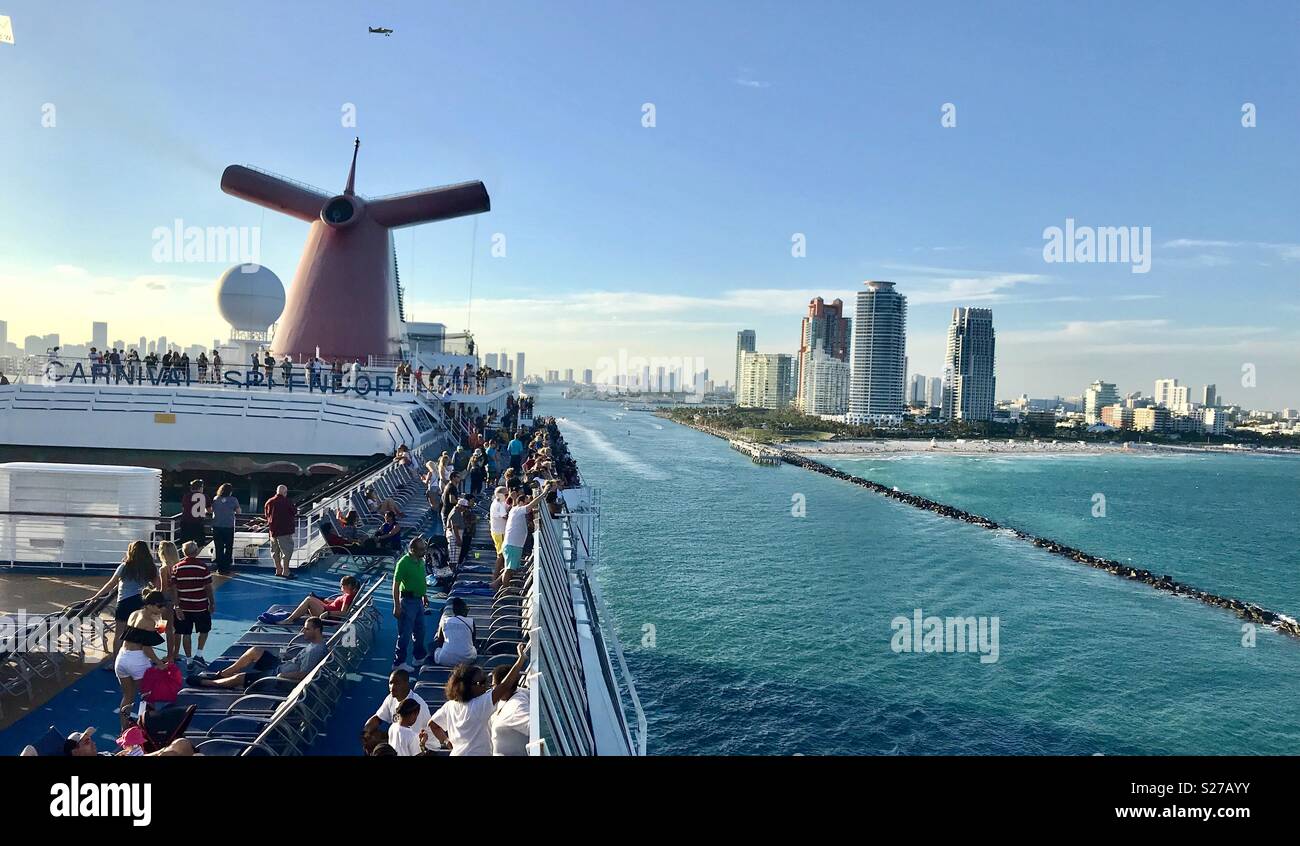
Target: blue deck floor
pixel 93 699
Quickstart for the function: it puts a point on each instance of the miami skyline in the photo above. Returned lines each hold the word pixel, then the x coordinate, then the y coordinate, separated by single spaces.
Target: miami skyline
pixel 667 239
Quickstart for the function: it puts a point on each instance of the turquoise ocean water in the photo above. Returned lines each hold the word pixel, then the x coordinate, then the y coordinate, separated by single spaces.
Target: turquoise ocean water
pixel 753 631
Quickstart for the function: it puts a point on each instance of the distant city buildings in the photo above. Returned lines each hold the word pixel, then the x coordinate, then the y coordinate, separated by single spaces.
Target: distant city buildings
pixel 916 390
pixel 1164 392
pixel 825 329
pixel 970 362
pixel 1209 396
pixel 876 387
pixel 746 341
pixel 1097 396
pixel 767 380
pixel 825 384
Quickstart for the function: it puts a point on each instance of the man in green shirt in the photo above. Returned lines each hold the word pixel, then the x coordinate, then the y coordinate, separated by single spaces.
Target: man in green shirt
pixel 409 602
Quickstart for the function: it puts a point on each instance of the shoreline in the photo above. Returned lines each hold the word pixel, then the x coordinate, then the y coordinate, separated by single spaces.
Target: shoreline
pixel 1245 610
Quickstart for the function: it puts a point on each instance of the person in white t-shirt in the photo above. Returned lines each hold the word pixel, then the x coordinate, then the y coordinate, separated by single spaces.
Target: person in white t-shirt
pixel 462 721
pixel 499 513
pixel 517 531
pixel 509 724
pixel 456 635
pixel 402 735
pixel 399 690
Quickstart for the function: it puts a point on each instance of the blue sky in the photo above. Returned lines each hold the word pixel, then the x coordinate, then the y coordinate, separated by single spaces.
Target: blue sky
pixel 771 119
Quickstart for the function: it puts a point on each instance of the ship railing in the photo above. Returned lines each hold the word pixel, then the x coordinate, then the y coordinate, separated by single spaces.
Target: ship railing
pixel 563 725
pixel 580 543
pixel 76 541
pixel 309 542
pixel 561 583
pixel 53 371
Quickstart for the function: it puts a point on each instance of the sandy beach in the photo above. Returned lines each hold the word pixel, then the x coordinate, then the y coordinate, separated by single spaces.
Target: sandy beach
pixel 960 447
pixel 974 446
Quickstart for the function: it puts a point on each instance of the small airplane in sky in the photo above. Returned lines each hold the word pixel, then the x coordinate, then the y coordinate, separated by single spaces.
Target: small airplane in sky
pixel 380 30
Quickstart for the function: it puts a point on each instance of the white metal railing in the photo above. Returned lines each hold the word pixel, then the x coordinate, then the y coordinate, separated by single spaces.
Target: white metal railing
pixel 581 545
pixel 561 723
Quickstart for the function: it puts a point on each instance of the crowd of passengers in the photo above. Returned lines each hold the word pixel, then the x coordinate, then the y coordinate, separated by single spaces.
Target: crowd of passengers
pixel 440 381
pixel 166 598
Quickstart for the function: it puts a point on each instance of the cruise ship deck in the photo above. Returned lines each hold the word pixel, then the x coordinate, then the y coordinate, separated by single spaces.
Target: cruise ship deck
pixel 584 701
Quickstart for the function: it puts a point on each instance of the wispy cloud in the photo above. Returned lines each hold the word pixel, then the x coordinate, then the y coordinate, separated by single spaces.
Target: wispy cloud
pixel 1285 251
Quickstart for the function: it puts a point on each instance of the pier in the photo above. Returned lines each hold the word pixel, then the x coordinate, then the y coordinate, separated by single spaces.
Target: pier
pixel 759 454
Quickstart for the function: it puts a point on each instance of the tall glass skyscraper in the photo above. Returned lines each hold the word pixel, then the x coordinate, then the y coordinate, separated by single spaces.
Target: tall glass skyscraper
pixel 746 341
pixel 879 355
pixel 968 364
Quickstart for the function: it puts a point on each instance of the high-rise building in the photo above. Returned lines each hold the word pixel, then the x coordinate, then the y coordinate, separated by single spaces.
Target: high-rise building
pixel 586 377
pixel 746 341
pixel 568 374
pixel 916 390
pixel 969 360
pixel 99 335
pixel 1115 416
pixel 490 361
pixel 934 392
pixel 767 380
pixel 1180 399
pixel 1153 419
pixel 1214 421
pixel 1098 395
pixel 825 384
pixel 4 334
pixel 1209 396
pixel 879 355
pixel 824 328
pixel 1164 393
pixel 519 367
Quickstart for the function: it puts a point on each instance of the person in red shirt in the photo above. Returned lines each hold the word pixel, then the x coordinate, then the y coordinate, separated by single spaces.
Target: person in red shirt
pixel 195 601
pixel 194 510
pixel 281 522
pixel 336 607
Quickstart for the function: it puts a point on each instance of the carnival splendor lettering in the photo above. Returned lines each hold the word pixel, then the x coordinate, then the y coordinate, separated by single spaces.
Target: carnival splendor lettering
pixel 172 376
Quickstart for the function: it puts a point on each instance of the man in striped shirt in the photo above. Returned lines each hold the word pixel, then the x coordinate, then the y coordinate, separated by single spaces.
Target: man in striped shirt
pixel 194 599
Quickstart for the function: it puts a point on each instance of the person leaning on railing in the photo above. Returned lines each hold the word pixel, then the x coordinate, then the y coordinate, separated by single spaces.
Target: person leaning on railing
pixel 224 509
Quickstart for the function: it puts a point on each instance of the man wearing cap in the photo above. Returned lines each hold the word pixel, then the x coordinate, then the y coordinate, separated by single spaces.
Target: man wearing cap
pixel 460 530
pixel 81 744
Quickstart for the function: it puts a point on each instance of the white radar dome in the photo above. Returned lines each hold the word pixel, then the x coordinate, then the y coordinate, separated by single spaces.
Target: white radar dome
pixel 250 297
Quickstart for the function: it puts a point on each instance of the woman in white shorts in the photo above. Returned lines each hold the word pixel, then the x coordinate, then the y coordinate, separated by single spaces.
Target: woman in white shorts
pixel 137 653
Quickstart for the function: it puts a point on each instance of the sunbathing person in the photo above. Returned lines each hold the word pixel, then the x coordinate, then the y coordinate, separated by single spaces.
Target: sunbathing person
pixel 259 662
pixel 335 608
pixel 380 504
